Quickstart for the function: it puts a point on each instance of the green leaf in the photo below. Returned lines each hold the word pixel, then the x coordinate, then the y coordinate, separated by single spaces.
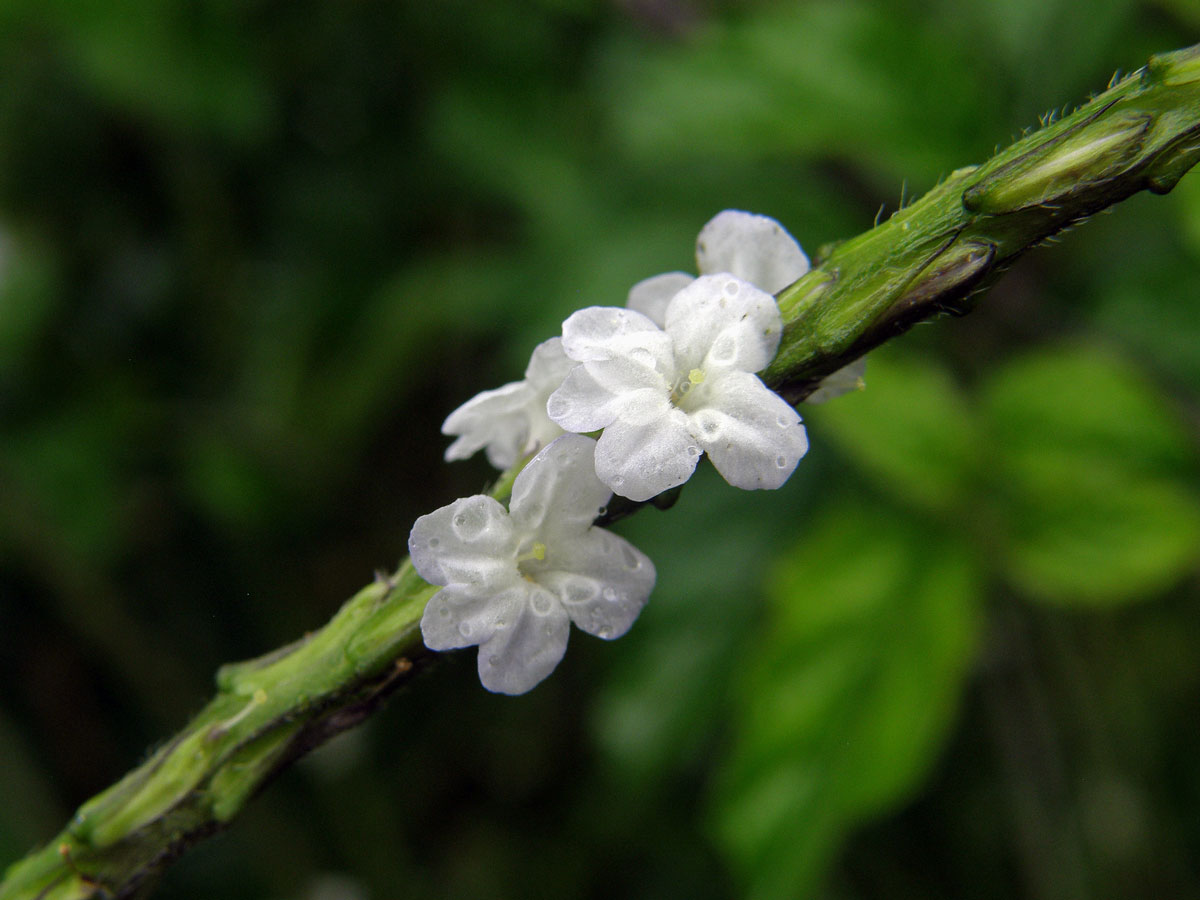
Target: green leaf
pixel 186 67
pixel 1092 475
pixel 657 712
pixel 30 294
pixel 1088 536
pixel 69 470
pixel 871 629
pixel 1086 407
pixel 910 428
pixel 814 78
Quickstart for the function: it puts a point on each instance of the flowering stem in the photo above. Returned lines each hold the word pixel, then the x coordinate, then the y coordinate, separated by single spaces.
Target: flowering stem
pixel 936 255
pixel 931 257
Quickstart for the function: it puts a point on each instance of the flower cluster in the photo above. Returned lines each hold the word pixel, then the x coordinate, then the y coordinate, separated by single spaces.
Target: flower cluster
pixel 665 380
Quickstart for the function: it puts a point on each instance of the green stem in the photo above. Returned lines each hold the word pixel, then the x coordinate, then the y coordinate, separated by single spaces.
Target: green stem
pixel 931 257
pixel 937 254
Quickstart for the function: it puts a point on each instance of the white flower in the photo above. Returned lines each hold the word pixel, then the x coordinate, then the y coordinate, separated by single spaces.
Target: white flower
pixel 514 580
pixel 665 396
pixel 757 249
pixel 510 421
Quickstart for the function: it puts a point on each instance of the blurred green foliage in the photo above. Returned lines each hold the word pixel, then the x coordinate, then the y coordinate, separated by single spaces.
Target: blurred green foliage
pixel 252 253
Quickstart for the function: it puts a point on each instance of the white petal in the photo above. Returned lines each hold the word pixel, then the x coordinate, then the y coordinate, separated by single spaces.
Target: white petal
pixel 558 494
pixel 723 321
pixel 753 437
pixel 603 582
pixel 756 248
pixel 651 295
pixel 548 366
pixel 624 374
pixel 456 617
pixel 843 381
pixel 608 332
pixel 526 644
pixel 497 419
pixel 639 460
pixel 541 434
pixel 582 404
pixel 471 543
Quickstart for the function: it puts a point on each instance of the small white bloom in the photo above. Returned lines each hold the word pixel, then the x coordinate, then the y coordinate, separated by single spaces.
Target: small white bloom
pixel 664 396
pixel 513 580
pixel 757 249
pixel 510 421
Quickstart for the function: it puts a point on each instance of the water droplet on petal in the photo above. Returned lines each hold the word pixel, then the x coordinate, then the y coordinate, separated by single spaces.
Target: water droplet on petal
pixel 580 590
pixel 493 661
pixel 465 629
pixel 609 594
pixel 693 451
pixel 732 288
pixel 444 611
pixel 631 560
pixel 542 604
pixel 784 422
pixel 467 528
pixel 603 633
pixel 781 461
pixel 603 511
pixel 618 480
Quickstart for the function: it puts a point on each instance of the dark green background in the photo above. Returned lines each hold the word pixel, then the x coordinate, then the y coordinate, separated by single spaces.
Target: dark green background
pixel 252 253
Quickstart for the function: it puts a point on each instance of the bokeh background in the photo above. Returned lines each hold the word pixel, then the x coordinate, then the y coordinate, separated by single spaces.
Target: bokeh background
pixel 252 253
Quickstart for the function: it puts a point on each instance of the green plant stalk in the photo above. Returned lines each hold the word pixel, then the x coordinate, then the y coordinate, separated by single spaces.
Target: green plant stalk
pixel 931 257
pixel 937 254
